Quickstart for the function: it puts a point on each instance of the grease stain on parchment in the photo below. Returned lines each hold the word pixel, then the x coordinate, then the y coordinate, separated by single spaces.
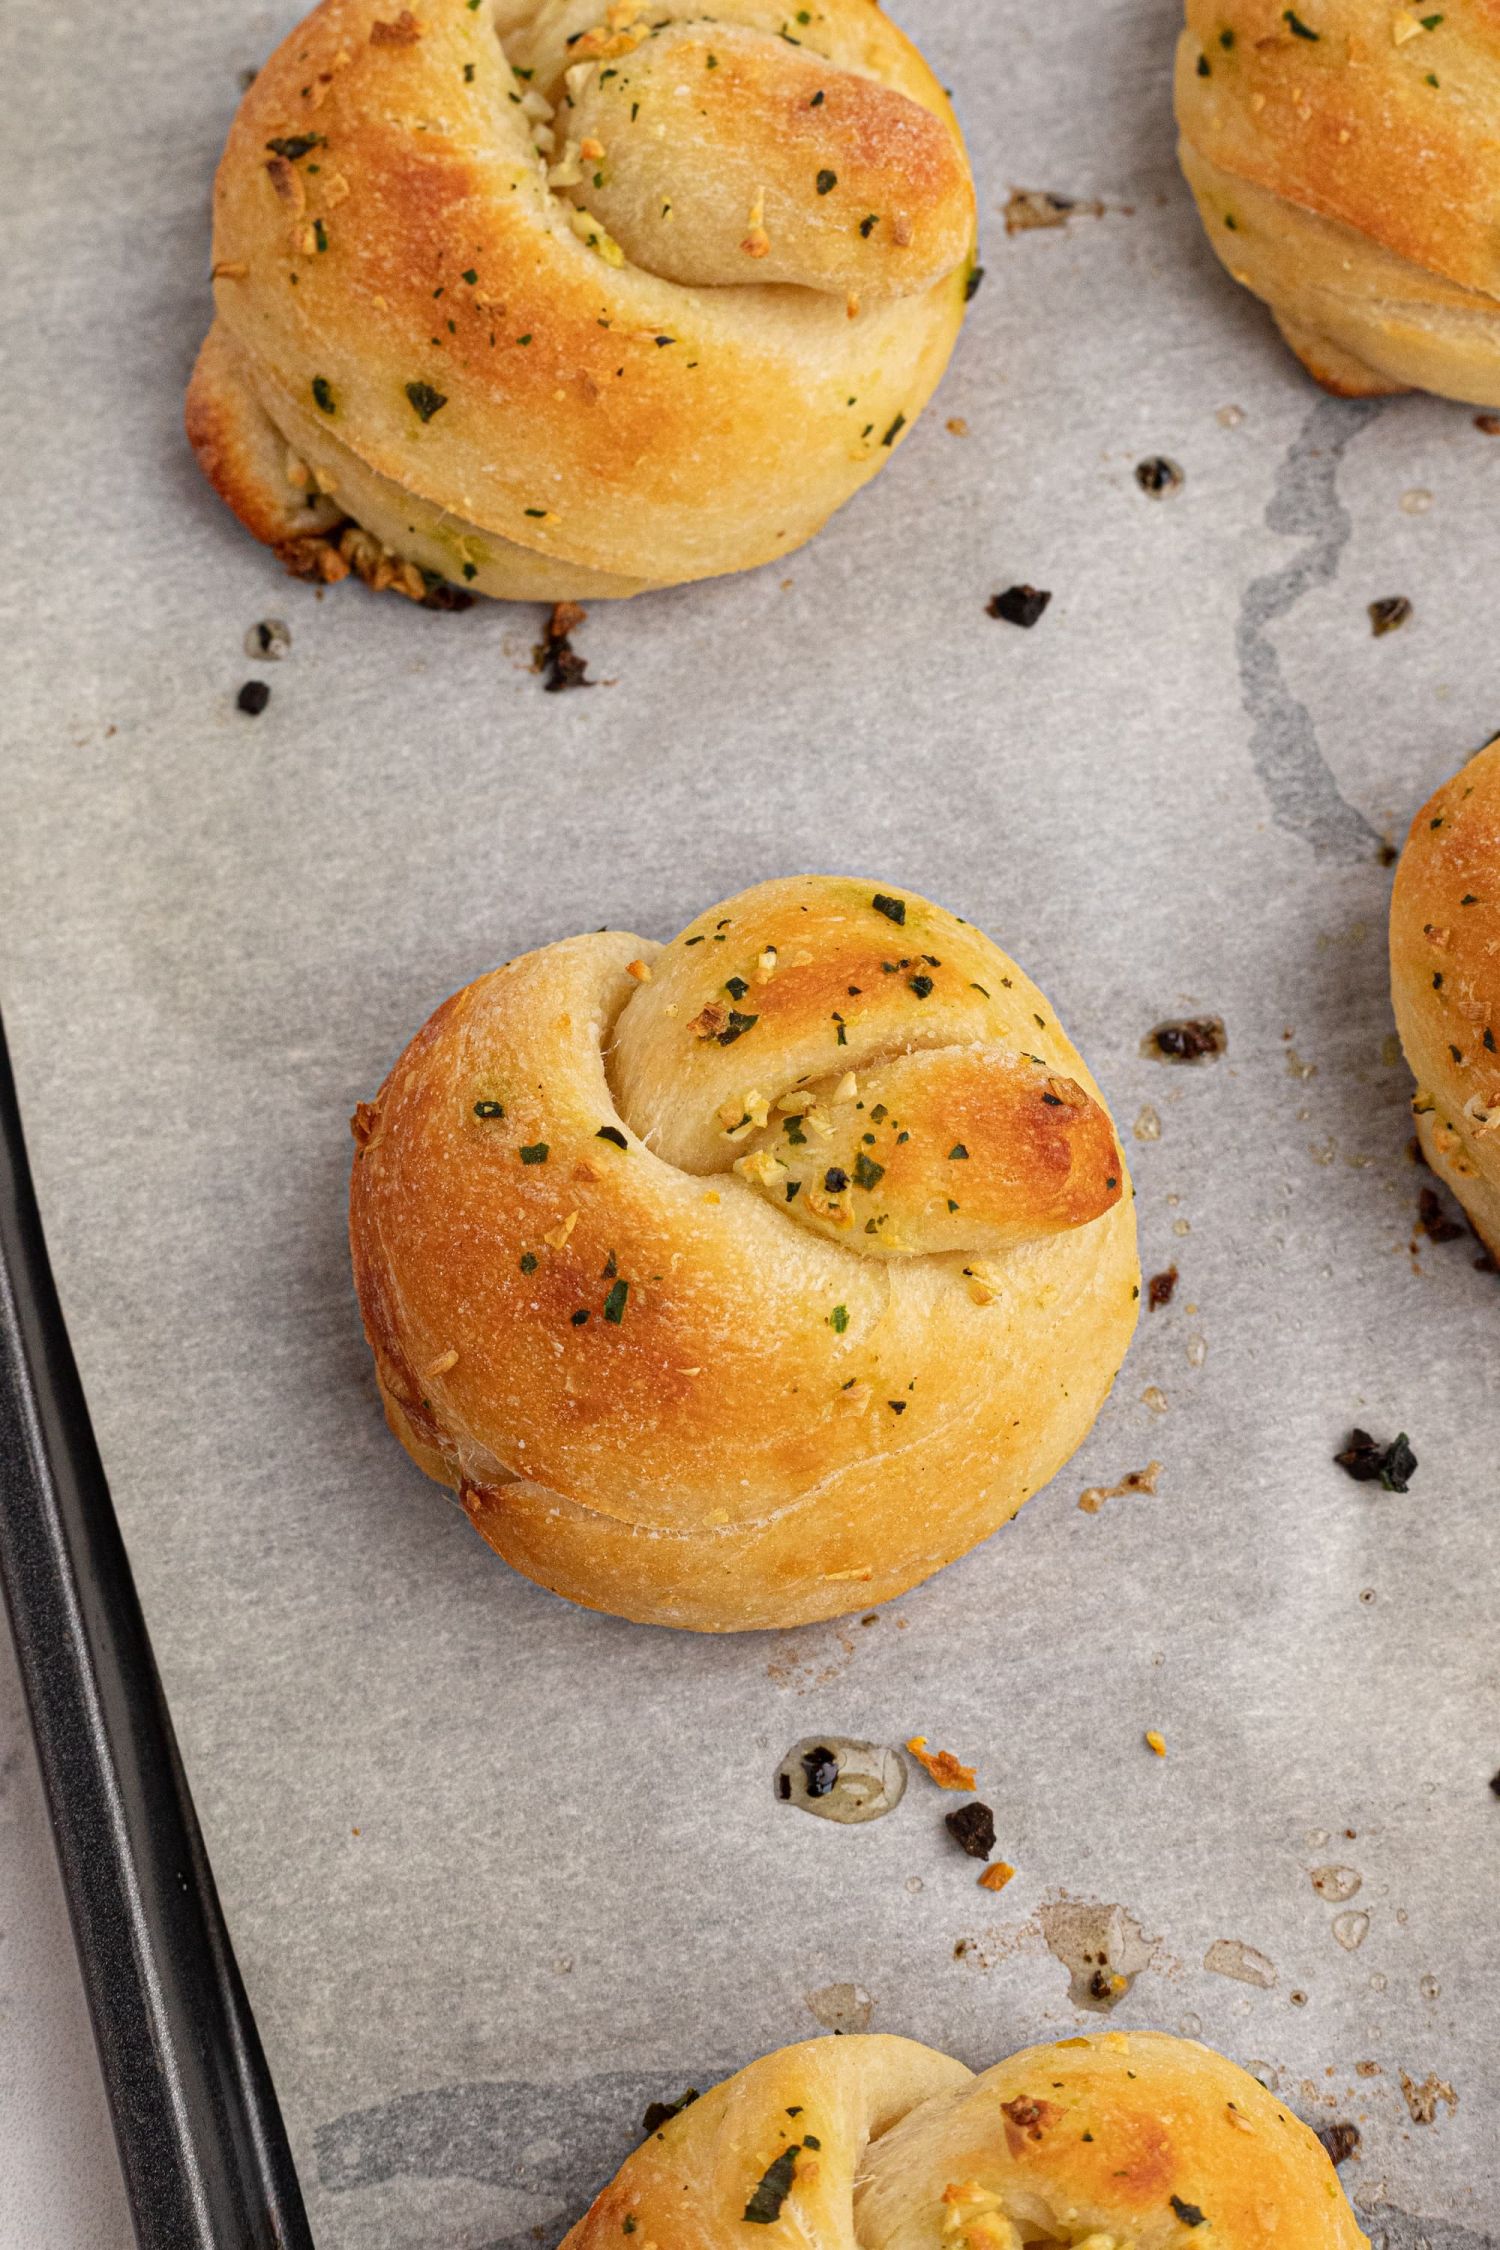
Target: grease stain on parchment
pixel 1230 1957
pixel 1103 1949
pixel 841 2007
pixel 1304 797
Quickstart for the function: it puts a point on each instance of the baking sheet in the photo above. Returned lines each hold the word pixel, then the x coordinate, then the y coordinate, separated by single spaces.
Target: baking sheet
pixel 499 1871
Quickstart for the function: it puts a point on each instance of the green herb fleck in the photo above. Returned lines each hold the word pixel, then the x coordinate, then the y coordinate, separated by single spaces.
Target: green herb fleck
pixel 535 1153
pixel 773 2188
pixel 920 985
pixel 323 398
pixel 1203 67
pixel 867 1173
pixel 614 1303
pixel 293 145
pixel 320 234
pixel 528 1261
pixel 612 1133
pixel 425 399
pixel 1226 40
pixel 736 987
pixel 1430 23
pixel 838 1319
pixel 957 1153
pixel 818 99
pixel 468 74
pixel 896 1405
pixel 1189 2213
pixel 827 182
pixel 1295 24
pixel 894 909
pixel 736 1028
pixel 489 1109
pixel 793 1189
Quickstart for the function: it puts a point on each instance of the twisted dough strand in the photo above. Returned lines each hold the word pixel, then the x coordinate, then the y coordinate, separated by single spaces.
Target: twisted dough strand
pixel 1119 2142
pixel 739 1280
pixel 561 299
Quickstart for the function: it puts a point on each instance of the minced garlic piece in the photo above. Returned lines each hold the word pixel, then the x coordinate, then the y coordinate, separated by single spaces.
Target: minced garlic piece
pixel 761 1167
pixel 594 237
pixel 559 1235
pixel 1404 26
pixel 1156 1742
pixel 639 970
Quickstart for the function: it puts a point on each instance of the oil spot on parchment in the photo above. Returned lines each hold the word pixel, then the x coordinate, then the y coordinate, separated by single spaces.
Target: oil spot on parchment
pixel 1335 1883
pixel 1305 505
pixel 1103 1949
pixel 1229 1957
pixel 842 2007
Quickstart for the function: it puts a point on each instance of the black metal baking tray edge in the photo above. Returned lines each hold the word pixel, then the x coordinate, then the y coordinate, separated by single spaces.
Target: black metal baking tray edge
pixel 201 2139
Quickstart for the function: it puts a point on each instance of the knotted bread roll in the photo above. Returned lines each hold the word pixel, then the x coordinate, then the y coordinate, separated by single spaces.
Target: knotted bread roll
pixel 746 1279
pixel 551 299
pixel 1122 2142
pixel 1345 155
pixel 1445 981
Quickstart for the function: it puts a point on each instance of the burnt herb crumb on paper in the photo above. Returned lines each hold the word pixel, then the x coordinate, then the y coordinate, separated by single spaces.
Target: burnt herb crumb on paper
pixel 822 1770
pixel 1389 615
pixel 268 641
pixel 1341 2141
pixel 1160 1288
pixel 661 2113
pixel 1368 1462
pixel 1159 477
pixel 1433 1219
pixel 972 1828
pixel 555 656
pixel 253 698
pixel 1018 605
pixel 1191 1039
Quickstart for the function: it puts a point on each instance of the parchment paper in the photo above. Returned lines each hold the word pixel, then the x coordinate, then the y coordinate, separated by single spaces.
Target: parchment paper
pixel 499 1871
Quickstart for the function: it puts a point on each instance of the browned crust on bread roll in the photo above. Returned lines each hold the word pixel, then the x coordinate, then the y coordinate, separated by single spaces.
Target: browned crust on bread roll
pixel 737 1281
pixel 1343 156
pixel 1116 2142
pixel 417 283
pixel 1445 983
